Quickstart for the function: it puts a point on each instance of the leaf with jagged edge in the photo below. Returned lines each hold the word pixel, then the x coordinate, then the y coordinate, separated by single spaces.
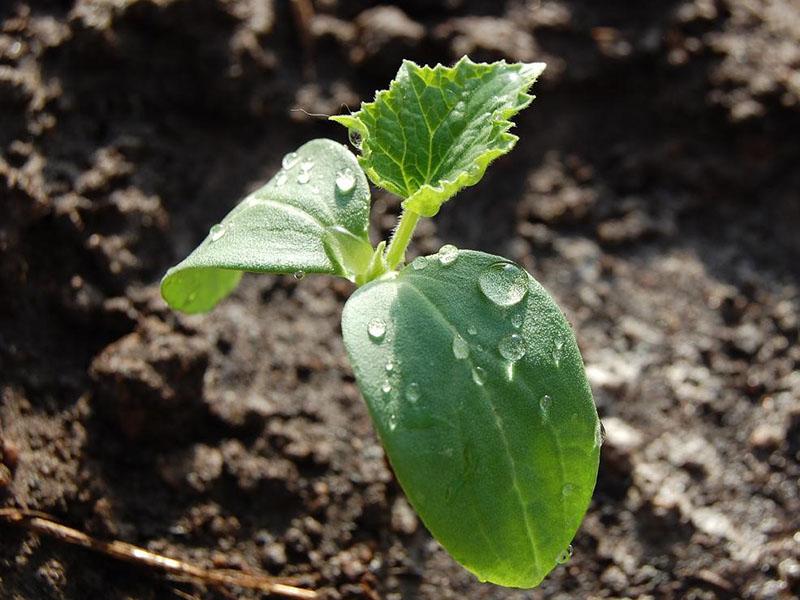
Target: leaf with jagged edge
pixel 311 217
pixel 436 129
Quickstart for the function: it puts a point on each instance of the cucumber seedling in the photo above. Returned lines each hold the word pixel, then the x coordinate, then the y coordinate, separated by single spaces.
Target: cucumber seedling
pixel 471 373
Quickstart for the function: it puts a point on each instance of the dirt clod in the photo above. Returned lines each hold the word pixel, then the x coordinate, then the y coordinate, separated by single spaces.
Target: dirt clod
pixel 653 191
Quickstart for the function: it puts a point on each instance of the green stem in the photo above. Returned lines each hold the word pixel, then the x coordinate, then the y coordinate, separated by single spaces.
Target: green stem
pixel 396 252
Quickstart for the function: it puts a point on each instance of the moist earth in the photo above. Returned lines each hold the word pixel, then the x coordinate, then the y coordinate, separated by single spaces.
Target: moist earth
pixel 655 191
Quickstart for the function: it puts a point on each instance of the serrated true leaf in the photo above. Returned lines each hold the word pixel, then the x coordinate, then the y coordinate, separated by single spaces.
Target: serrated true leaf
pixel 311 217
pixel 435 130
pixel 477 389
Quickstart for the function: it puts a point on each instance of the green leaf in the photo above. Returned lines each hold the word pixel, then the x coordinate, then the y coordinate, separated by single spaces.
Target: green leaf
pixel 435 130
pixel 477 389
pixel 311 217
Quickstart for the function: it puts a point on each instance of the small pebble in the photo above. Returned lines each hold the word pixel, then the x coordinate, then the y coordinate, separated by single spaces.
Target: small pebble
pixel 10 454
pixel 5 476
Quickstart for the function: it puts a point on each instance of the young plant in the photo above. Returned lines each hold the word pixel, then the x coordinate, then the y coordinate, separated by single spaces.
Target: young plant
pixel 470 371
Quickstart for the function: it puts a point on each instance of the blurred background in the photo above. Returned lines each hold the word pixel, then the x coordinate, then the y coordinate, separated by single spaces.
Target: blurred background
pixel 655 191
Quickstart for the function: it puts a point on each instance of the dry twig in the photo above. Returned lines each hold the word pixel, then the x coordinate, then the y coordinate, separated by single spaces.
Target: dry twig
pixel 44 525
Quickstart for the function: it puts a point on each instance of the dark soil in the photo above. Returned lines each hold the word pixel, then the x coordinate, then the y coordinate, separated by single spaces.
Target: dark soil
pixel 655 191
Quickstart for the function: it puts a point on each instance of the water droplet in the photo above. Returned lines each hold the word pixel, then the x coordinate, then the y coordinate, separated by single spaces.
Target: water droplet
pixel 386 388
pixel 299 274
pixel 412 392
pixel 567 489
pixel 460 347
pixel 376 329
pixel 479 375
pixel 389 367
pixel 557 346
pixel 517 320
pixel 545 404
pixel 280 179
pixel 447 254
pixel 306 165
pixel 303 177
pixel 392 421
pixel 419 263
pixel 512 77
pixel 512 347
pixel 345 180
pixel 472 330
pixel 216 232
pixel 290 160
pixel 355 138
pixel 599 435
pixel 503 283
pixel 565 555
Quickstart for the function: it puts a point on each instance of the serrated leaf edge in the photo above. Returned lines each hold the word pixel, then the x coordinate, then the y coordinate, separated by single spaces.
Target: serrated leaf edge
pixel 446 188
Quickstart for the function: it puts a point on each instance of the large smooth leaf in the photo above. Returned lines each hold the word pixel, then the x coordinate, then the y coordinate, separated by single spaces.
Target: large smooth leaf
pixel 435 130
pixel 312 217
pixel 477 389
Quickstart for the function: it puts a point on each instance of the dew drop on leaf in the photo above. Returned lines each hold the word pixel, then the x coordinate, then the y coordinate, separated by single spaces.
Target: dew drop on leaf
pixel 299 274
pixel 419 263
pixel 386 388
pixel 392 421
pixel 306 165
pixel 472 330
pixel 412 392
pixel 216 232
pixel 447 255
pixel 545 404
pixel 567 489
pixel 280 179
pixel 479 375
pixel 557 346
pixel 503 283
pixel 565 555
pixel 389 367
pixel 376 329
pixel 290 160
pixel 303 177
pixel 599 435
pixel 355 138
pixel 460 347
pixel 345 180
pixel 512 347
pixel 517 320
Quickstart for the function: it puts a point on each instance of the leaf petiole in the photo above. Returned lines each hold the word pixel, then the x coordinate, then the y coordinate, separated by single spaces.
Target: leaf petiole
pixel 396 252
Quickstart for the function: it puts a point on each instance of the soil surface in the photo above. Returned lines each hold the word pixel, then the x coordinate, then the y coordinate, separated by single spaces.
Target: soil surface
pixel 655 192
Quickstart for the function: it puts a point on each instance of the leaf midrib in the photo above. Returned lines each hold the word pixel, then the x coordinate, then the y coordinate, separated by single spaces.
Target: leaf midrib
pixel 498 423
